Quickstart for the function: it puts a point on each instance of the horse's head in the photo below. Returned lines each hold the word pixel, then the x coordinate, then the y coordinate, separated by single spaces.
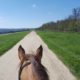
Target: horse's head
pixel 31 67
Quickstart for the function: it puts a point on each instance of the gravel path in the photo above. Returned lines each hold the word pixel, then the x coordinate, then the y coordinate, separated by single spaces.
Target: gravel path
pixel 9 62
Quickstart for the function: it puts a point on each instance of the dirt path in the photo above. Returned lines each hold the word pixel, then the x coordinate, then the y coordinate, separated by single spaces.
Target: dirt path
pixel 9 61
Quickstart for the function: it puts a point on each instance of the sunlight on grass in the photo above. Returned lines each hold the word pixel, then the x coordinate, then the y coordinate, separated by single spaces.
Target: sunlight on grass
pixel 66 46
pixel 7 41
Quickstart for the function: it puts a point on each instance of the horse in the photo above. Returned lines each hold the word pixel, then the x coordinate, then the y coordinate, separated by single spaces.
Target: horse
pixel 31 67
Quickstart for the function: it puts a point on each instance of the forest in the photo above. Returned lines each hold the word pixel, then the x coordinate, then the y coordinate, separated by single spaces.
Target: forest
pixel 69 24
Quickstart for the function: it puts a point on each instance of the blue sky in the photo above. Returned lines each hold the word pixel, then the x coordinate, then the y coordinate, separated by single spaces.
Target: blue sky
pixel 33 13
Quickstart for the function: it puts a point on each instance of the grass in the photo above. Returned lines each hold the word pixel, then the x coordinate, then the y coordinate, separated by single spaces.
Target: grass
pixel 66 46
pixel 7 41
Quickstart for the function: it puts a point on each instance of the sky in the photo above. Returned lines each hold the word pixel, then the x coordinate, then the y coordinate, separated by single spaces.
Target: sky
pixel 34 13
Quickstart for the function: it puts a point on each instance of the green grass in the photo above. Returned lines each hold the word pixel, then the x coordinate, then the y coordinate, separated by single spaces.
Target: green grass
pixel 8 41
pixel 66 46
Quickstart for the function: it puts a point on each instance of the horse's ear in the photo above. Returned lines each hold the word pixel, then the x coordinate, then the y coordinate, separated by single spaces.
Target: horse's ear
pixel 21 53
pixel 39 53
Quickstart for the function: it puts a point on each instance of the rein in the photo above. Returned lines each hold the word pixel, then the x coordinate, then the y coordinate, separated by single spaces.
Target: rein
pixel 21 68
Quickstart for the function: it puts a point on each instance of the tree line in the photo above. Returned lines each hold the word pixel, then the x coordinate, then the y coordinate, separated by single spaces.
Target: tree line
pixel 71 23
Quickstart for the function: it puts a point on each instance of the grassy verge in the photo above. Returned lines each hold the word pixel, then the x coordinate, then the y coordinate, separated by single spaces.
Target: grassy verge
pixel 9 40
pixel 67 48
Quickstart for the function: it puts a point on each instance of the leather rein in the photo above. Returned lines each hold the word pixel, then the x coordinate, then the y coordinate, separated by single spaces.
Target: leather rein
pixel 21 68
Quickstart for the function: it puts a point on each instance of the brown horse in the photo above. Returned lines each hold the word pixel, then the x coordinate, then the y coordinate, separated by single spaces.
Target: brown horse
pixel 30 65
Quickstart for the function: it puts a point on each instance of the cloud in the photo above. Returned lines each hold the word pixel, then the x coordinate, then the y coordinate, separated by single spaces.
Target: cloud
pixel 2 20
pixel 34 5
pixel 49 13
pixel 1 17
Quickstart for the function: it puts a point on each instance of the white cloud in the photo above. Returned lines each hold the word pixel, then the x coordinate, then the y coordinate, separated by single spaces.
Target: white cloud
pixel 1 17
pixel 34 5
pixel 49 13
pixel 2 20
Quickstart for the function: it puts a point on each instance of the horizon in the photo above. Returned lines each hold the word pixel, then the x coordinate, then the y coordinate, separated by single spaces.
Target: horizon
pixel 15 14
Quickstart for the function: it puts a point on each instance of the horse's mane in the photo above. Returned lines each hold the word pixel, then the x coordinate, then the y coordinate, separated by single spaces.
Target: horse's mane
pixel 40 70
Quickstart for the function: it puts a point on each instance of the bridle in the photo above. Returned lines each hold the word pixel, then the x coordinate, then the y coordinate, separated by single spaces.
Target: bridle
pixel 22 67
